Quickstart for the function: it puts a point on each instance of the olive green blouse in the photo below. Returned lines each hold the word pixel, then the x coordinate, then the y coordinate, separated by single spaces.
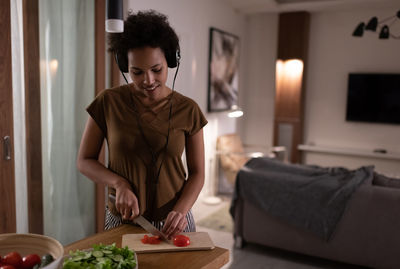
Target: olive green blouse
pixel 117 112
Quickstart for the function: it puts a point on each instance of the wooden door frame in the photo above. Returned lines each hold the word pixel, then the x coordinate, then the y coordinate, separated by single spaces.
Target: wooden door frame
pixel 8 223
pixel 33 127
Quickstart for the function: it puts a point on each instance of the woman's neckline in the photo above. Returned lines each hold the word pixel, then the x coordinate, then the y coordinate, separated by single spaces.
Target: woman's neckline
pixel 141 97
pixel 139 106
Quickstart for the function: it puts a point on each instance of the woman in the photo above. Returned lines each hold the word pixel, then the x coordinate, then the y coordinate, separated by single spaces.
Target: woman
pixel 147 127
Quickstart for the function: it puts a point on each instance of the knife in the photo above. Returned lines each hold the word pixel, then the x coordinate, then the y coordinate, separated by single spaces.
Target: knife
pixel 150 228
pixel 145 224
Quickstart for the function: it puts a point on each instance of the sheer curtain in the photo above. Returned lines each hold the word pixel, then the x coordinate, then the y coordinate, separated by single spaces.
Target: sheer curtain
pixel 18 82
pixel 67 87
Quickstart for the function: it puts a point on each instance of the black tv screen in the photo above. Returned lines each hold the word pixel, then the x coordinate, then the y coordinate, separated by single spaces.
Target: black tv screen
pixel 373 98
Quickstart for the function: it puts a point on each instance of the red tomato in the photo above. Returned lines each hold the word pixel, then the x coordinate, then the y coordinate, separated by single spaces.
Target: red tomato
pixel 13 258
pixel 7 267
pixel 145 239
pixel 150 239
pixel 181 240
pixel 30 260
pixel 154 240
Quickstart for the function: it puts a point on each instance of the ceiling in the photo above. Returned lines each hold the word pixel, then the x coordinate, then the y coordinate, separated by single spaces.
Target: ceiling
pixel 261 6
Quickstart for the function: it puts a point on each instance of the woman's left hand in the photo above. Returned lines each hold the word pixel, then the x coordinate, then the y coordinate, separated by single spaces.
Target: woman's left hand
pixel 174 224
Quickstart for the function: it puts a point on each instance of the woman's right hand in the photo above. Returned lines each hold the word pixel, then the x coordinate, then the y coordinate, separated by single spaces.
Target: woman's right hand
pixel 126 201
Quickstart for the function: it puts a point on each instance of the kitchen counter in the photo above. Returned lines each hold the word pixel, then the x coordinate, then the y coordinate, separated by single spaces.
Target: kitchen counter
pixel 204 259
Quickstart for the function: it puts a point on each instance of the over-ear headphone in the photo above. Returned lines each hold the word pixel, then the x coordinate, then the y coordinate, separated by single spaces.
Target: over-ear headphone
pixel 173 58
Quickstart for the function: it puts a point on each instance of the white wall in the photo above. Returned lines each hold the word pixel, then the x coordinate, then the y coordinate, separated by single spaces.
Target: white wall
pixel 256 126
pixel 192 20
pixel 333 53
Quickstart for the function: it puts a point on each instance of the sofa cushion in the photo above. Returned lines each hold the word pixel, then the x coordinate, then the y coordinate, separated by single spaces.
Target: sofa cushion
pixel 384 181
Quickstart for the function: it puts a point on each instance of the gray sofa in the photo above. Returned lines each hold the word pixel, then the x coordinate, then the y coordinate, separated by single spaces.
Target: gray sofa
pixel 368 233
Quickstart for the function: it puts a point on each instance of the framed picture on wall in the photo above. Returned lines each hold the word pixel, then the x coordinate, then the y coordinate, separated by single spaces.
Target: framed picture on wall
pixel 223 70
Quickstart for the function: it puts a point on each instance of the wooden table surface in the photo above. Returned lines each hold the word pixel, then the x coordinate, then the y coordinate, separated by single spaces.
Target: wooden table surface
pixel 204 259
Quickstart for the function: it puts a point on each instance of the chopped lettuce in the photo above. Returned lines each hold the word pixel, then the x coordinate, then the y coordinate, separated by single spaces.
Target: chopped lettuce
pixel 101 257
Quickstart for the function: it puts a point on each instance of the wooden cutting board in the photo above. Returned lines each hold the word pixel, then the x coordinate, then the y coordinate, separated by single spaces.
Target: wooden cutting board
pixel 198 241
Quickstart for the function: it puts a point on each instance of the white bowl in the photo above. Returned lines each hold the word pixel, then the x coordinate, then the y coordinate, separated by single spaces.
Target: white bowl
pixel 38 244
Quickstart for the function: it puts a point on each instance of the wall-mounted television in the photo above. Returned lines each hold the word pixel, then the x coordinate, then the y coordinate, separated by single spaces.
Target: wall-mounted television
pixel 373 98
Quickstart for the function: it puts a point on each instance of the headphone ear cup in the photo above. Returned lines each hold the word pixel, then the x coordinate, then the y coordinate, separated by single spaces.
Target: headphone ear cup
pixel 173 59
pixel 122 62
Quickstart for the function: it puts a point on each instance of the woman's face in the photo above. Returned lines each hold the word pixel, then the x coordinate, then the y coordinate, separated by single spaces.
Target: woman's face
pixel 149 71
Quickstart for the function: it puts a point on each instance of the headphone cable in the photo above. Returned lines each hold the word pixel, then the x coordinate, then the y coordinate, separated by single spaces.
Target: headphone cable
pixel 152 153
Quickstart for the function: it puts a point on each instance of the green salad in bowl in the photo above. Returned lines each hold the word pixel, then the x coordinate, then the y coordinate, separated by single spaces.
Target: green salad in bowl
pixel 101 257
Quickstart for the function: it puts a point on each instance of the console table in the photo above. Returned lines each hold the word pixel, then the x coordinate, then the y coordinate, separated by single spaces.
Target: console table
pixel 350 151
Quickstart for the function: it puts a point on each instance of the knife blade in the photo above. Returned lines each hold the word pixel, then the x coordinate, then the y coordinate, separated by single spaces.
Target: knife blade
pixel 145 224
pixel 142 221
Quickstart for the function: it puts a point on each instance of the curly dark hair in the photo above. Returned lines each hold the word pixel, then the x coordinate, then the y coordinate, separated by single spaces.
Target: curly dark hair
pixel 146 29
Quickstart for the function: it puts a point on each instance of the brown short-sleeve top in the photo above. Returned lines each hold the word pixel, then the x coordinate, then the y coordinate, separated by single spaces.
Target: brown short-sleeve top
pixel 117 112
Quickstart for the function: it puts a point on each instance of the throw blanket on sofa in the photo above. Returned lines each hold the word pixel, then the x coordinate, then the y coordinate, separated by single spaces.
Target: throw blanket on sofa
pixel 309 197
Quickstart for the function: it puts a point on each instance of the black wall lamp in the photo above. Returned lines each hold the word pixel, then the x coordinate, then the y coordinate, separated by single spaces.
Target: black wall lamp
pixel 373 23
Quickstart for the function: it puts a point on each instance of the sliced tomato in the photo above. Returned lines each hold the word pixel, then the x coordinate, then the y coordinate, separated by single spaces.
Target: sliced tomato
pixel 145 239
pixel 12 258
pixel 30 260
pixel 181 240
pixel 150 239
pixel 154 240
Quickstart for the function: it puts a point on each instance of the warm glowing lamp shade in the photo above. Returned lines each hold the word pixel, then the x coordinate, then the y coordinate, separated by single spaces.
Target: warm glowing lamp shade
pixel 289 75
